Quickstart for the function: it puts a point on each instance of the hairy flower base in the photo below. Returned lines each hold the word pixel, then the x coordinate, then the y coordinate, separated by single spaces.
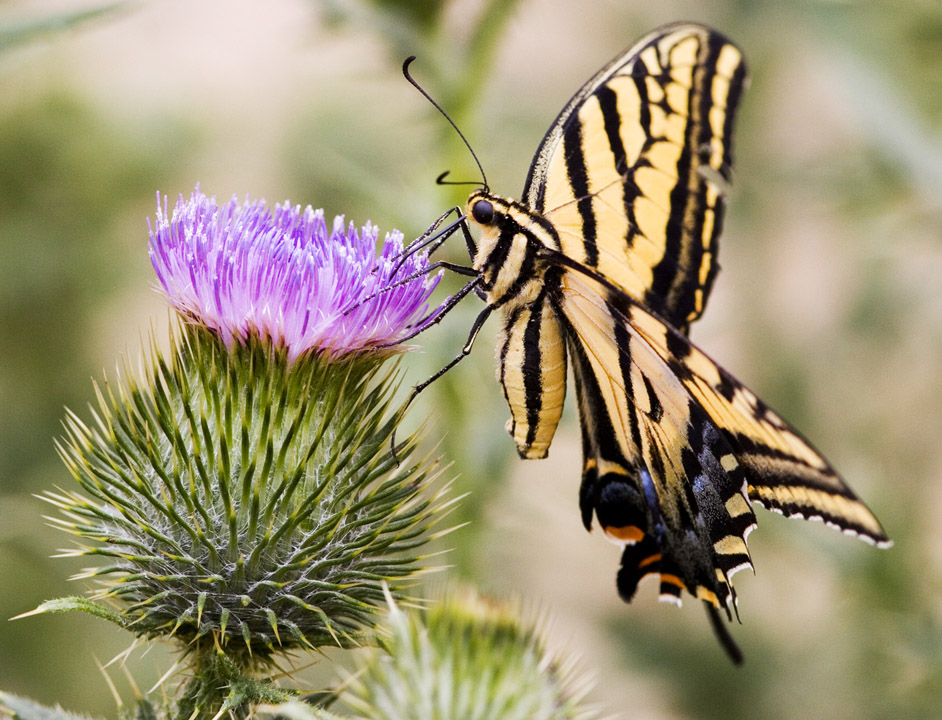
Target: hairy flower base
pixel 464 657
pixel 245 502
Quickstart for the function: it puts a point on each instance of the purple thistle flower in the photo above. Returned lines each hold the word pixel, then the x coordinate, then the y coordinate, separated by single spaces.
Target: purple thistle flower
pixel 244 269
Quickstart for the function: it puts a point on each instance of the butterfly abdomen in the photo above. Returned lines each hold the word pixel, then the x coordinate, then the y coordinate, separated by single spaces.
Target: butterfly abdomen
pixel 530 349
pixel 531 369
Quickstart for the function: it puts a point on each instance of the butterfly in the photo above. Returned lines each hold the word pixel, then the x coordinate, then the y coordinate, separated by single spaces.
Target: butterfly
pixel 601 268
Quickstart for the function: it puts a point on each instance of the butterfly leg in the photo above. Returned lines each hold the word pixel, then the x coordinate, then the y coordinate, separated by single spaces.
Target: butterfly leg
pixel 441 265
pixel 468 238
pixel 434 241
pixel 429 237
pixel 438 240
pixel 472 251
pixel 446 307
pixel 465 350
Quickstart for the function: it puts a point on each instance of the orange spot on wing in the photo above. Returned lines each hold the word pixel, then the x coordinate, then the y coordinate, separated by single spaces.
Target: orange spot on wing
pixel 707 596
pixel 649 560
pixel 628 533
pixel 673 580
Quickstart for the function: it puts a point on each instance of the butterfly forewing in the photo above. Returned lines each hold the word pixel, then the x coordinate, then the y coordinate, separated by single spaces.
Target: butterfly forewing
pixel 633 170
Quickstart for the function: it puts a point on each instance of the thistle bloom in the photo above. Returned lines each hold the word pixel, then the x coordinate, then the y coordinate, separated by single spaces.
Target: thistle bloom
pixel 242 489
pixel 244 270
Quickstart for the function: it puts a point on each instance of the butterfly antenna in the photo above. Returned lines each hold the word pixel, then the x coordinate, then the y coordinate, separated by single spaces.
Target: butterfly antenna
pixel 415 84
pixel 440 180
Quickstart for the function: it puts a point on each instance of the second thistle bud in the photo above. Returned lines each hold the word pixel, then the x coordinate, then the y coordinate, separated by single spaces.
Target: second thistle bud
pixel 466 656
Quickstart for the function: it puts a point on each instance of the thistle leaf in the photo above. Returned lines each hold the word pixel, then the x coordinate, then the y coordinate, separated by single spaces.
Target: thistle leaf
pixel 77 604
pixel 20 708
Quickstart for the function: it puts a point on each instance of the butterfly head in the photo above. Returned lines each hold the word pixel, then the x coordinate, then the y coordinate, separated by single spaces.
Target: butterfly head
pixel 486 209
pixel 491 214
pixel 494 214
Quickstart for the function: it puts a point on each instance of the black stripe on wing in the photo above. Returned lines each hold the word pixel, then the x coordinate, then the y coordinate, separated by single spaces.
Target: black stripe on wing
pixel 677 503
pixel 785 472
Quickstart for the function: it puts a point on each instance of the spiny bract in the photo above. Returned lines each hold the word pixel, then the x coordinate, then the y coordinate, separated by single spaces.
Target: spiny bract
pixel 244 501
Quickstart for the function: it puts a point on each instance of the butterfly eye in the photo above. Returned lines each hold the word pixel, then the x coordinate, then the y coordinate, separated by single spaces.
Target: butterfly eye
pixel 483 212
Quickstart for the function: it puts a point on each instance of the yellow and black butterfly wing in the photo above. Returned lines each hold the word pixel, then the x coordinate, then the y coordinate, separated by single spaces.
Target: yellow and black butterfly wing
pixel 659 476
pixel 675 449
pixel 786 474
pixel 632 172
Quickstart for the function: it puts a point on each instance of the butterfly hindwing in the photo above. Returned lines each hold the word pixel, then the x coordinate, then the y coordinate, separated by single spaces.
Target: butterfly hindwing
pixel 786 474
pixel 658 475
pixel 668 430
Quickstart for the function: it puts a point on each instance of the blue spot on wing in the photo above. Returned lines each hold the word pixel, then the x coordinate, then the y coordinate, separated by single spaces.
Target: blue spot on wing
pixel 654 504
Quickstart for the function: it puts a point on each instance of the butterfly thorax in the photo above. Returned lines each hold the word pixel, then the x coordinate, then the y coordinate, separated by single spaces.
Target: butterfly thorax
pixel 510 255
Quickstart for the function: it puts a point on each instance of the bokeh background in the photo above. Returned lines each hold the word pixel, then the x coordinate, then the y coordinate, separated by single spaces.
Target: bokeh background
pixel 829 303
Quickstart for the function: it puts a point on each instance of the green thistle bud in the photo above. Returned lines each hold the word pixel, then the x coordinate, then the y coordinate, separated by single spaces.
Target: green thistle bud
pixel 464 657
pixel 245 502
pixel 241 488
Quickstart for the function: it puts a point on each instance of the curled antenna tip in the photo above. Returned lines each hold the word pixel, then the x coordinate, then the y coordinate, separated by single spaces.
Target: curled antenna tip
pixel 405 65
pixel 440 180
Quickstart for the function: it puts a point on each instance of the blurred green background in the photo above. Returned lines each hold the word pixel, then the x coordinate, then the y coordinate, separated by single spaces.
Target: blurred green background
pixel 829 303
